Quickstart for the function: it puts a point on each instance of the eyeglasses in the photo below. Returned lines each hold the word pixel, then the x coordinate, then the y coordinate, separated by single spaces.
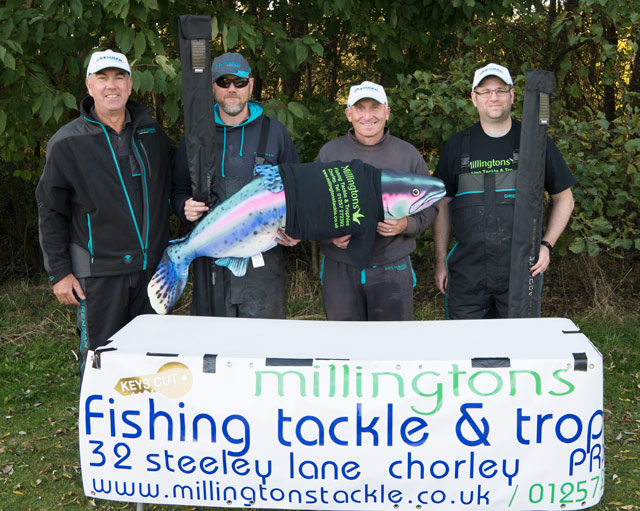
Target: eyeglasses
pixel 486 93
pixel 225 83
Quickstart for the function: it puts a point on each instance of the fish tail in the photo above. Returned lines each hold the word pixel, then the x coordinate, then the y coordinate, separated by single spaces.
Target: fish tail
pixel 167 284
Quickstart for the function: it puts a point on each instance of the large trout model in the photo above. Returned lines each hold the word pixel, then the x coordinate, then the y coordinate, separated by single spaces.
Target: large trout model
pixel 313 201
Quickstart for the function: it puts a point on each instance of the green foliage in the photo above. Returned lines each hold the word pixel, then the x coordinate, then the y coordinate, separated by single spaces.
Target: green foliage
pixel 305 55
pixel 427 108
pixel 604 157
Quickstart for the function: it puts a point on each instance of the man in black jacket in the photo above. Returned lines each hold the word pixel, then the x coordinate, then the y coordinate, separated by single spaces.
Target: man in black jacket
pixel 241 128
pixel 103 204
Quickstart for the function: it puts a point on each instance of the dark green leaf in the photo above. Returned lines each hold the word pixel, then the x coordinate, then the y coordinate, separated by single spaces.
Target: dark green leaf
pixel 232 37
pixel 214 27
pixel 3 121
pixel 46 108
pixel 9 61
pixel 302 51
pixel 298 109
pixel 76 8
pixel 139 45
pixel 125 37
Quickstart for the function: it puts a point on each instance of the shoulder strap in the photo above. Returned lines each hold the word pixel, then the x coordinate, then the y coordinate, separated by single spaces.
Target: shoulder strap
pixel 516 154
pixel 262 142
pixel 465 155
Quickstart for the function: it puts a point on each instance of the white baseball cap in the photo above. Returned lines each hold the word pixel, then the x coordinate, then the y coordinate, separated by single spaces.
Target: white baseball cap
pixel 366 90
pixel 491 70
pixel 104 59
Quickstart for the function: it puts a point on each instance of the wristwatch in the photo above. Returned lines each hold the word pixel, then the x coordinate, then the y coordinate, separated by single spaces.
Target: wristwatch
pixel 548 245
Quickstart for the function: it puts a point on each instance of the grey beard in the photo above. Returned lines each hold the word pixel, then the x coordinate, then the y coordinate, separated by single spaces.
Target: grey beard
pixel 232 109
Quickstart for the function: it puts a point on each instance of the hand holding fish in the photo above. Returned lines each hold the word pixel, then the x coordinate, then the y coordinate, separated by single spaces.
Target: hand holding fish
pixel 193 210
pixel 391 227
pixel 341 241
pixel 283 239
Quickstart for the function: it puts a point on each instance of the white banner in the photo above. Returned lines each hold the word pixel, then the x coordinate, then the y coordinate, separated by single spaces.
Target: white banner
pixel 489 430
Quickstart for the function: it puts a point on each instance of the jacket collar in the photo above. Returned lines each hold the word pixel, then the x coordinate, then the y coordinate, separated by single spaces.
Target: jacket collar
pixel 136 110
pixel 255 111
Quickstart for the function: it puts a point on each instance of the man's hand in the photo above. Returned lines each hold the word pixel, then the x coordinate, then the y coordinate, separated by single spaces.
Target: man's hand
pixel 544 258
pixel 442 277
pixel 391 227
pixel 193 210
pixel 287 241
pixel 68 290
pixel 341 241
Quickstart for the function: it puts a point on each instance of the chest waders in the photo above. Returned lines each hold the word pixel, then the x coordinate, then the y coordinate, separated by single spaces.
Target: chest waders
pixel 212 283
pixel 525 292
pixel 482 217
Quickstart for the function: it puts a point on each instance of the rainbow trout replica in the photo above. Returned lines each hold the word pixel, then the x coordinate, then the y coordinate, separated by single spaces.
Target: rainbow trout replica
pixel 313 201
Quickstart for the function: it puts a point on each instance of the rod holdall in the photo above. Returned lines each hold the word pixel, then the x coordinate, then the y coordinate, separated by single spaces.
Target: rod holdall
pixel 525 292
pixel 197 96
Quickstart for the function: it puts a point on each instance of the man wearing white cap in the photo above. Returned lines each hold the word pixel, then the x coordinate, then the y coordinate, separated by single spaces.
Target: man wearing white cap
pixel 103 203
pixel 384 290
pixel 478 166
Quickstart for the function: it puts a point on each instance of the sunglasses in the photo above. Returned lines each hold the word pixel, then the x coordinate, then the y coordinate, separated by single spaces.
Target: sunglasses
pixel 225 83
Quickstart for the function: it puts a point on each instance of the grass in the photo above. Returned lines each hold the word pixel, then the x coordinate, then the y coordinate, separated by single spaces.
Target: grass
pixel 39 388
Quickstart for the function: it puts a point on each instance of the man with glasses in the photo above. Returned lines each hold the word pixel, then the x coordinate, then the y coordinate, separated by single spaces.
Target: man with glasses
pixel 477 166
pixel 245 137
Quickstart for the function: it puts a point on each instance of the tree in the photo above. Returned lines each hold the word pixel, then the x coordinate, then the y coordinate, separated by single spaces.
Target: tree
pixel 306 55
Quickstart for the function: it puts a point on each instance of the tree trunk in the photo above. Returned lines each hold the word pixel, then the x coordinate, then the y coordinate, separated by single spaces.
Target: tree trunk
pixel 609 90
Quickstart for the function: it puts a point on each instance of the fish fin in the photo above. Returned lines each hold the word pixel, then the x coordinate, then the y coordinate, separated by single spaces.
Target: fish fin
pixel 167 284
pixel 179 240
pixel 270 177
pixel 237 265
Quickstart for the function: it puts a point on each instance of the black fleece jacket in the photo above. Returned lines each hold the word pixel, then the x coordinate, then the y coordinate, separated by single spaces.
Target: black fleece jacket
pixel 87 224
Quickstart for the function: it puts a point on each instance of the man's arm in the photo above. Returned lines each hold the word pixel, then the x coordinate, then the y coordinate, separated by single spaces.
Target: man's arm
pixel 441 236
pixel 287 154
pixel 183 204
pixel 558 219
pixel 54 215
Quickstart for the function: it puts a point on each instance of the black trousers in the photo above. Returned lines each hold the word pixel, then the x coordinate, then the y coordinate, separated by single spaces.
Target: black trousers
pixel 111 302
pixel 259 294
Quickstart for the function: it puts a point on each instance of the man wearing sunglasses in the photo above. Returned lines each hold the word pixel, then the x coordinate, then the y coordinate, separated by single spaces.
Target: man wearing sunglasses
pixel 244 138
pixel 478 168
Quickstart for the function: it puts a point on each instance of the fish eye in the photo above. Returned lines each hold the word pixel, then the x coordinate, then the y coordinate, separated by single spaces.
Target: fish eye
pixel 415 192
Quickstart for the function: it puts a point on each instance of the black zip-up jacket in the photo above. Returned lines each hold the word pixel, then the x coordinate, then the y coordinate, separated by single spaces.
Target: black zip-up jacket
pixel 87 223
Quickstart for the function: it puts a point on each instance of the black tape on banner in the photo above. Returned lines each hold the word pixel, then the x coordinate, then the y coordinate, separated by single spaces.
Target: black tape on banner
pixel 524 290
pixel 287 362
pixel 209 363
pixel 580 362
pixel 197 96
pixel 488 362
